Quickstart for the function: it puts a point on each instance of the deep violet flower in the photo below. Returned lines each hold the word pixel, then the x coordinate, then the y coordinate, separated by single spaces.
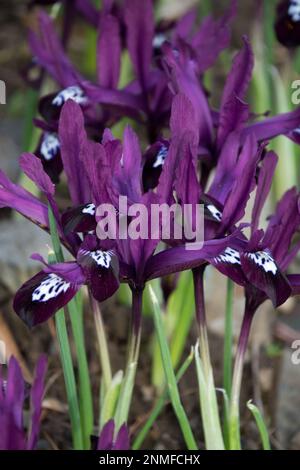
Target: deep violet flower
pixel 51 289
pixel 97 174
pixel 260 264
pixel 107 441
pixel 12 396
pixel 234 114
pixel 148 95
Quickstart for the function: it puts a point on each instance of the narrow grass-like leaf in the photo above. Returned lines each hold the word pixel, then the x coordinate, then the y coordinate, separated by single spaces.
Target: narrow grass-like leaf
pixel 263 431
pixel 124 401
pixel 170 376
pixel 209 406
pixel 160 405
pixel 83 407
pixel 177 319
pixel 110 400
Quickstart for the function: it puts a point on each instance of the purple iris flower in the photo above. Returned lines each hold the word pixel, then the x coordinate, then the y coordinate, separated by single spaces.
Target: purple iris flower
pixel 107 441
pixel 99 173
pixel 234 115
pixel 260 264
pixel 12 396
pixel 131 25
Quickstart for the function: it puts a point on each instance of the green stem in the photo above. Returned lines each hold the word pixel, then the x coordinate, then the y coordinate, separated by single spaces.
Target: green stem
pixel 102 344
pixel 198 275
pixel 261 425
pixel 160 405
pixel 170 377
pixel 85 392
pixel 207 392
pixel 228 339
pixel 69 377
pixel 234 413
pixel 126 391
pixel 65 352
pixel 227 362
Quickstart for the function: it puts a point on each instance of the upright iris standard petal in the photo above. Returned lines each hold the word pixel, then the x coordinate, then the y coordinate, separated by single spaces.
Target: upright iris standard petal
pixel 109 51
pixel 72 137
pixel 138 17
pixel 212 37
pixel 235 204
pixel 234 112
pixel 45 293
pixel 265 178
pixel 100 267
pixel 184 80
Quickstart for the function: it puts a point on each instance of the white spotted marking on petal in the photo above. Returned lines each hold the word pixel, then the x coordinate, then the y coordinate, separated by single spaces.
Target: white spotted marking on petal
pixel 158 40
pixel 230 256
pixel 294 10
pixel 297 130
pixel 264 261
pixel 89 209
pixel 160 157
pixel 215 212
pixel 50 288
pixel 74 93
pixel 49 146
pixel 101 258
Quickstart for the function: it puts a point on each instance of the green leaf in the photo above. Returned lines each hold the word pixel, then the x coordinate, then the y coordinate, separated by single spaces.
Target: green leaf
pixel 209 406
pixel 160 405
pixel 110 399
pixel 170 376
pixel 263 431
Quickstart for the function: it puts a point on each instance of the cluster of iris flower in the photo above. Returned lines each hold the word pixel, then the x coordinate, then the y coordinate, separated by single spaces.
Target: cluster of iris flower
pixel 190 153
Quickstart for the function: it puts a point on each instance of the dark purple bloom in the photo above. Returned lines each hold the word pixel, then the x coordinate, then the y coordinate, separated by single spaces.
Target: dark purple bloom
pixel 234 114
pixel 101 172
pixel 12 396
pixel 108 441
pixel 261 263
pixel 51 289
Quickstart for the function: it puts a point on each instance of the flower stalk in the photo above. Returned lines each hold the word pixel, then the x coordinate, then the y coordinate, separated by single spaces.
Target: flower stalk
pixel 102 344
pixel 234 412
pixel 170 377
pixel 81 411
pixel 207 391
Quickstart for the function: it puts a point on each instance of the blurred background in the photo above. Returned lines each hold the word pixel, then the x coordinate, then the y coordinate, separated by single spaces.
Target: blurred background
pixel 271 378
